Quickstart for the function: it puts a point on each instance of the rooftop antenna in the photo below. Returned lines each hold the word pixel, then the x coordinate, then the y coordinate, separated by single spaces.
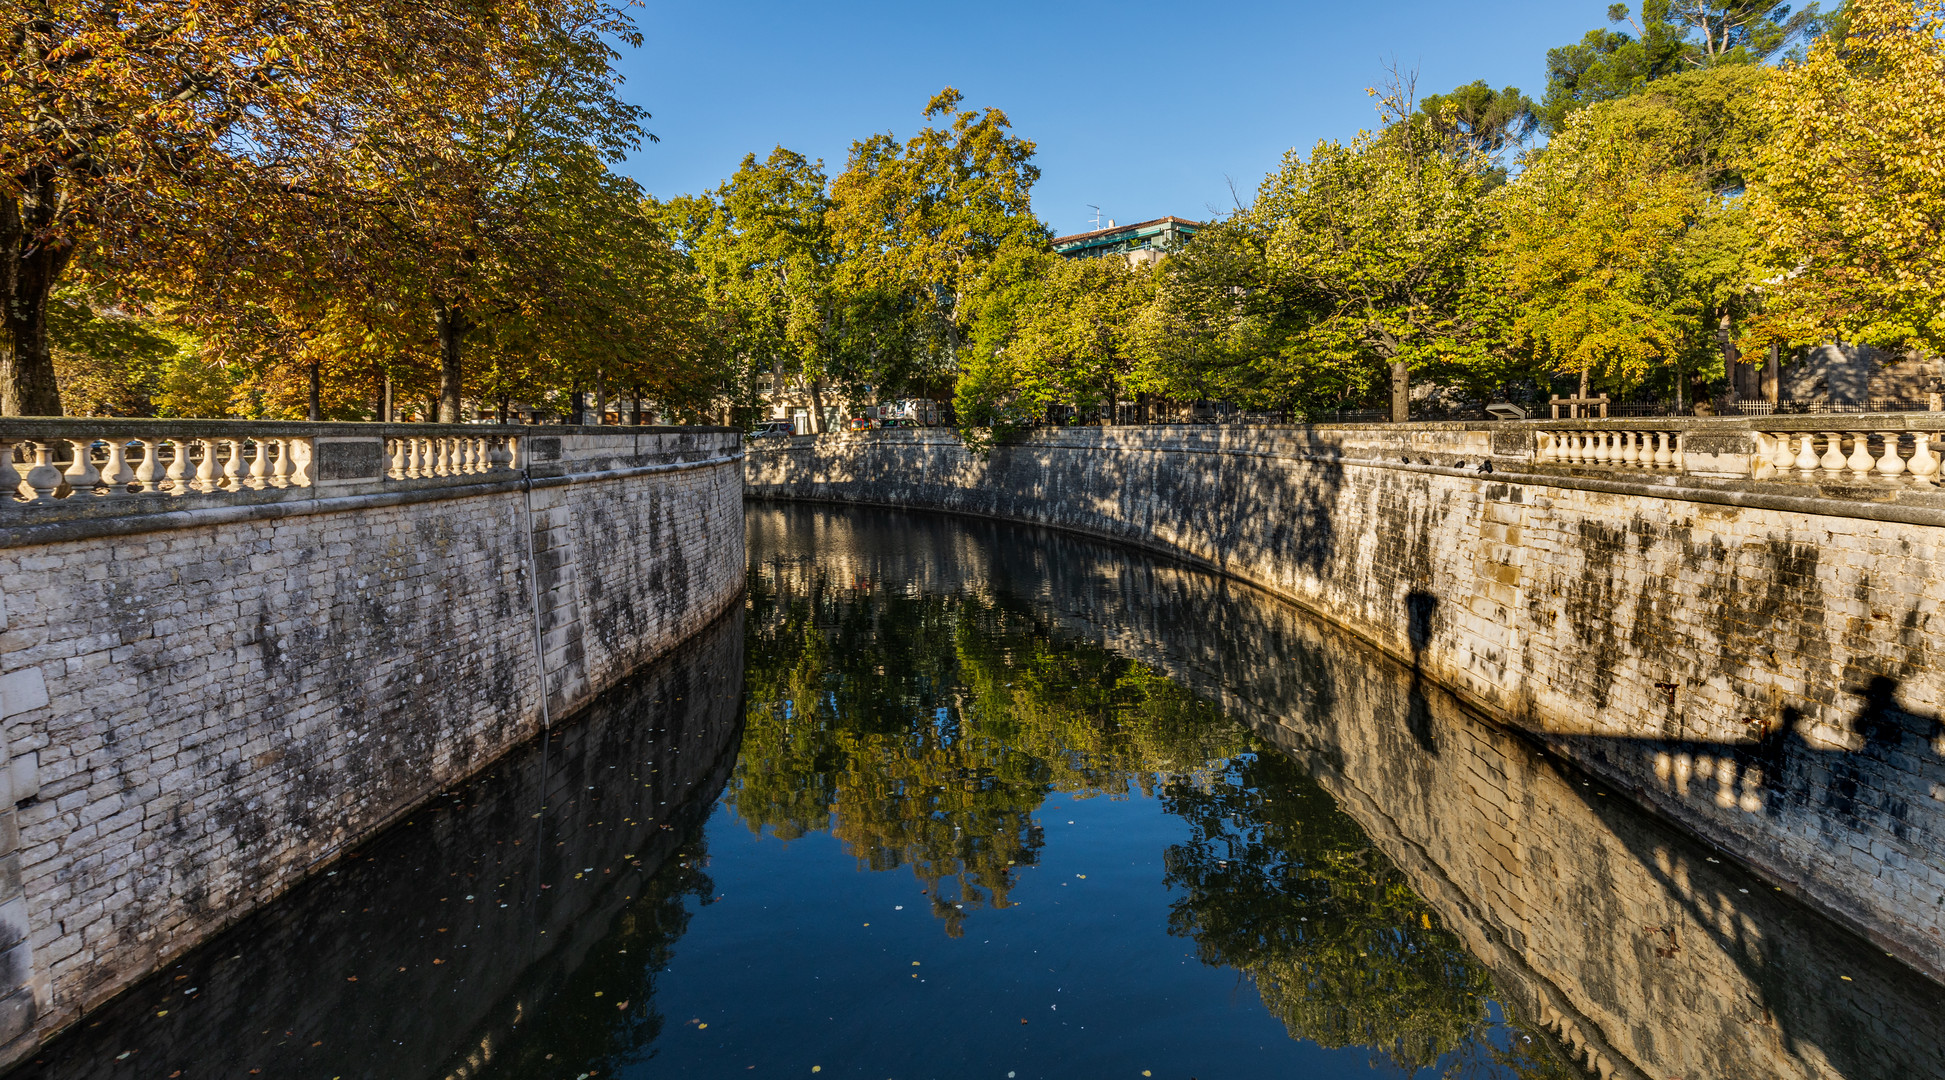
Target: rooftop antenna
pixel 1097 215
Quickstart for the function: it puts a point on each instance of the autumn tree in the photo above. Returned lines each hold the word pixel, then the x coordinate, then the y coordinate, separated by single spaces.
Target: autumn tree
pixel 1850 203
pixel 1624 240
pixel 160 130
pixel 919 224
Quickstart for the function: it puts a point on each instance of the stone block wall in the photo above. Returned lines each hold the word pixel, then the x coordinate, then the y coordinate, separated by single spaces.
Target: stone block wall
pixel 202 707
pixel 1754 661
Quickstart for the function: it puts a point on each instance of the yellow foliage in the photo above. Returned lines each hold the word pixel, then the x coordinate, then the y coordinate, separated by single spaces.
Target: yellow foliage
pixel 1850 200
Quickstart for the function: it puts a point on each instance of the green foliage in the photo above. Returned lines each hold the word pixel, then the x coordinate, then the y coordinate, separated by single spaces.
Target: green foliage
pixel 920 224
pixel 925 732
pixel 1624 241
pixel 1670 37
pixel 1377 243
pixel 1070 339
pixel 1280 884
pixel 1484 121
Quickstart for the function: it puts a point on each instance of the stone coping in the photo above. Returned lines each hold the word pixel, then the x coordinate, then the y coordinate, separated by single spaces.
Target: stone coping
pixel 30 427
pixel 96 518
pixel 1868 498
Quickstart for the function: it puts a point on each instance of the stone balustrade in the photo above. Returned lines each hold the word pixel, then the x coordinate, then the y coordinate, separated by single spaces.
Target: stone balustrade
pixel 1883 452
pixel 1631 449
pixel 1784 455
pixel 415 457
pixel 84 464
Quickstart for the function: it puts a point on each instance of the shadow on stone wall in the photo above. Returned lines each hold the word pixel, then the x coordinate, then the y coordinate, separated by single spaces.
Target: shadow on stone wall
pixel 1644 951
pixel 426 950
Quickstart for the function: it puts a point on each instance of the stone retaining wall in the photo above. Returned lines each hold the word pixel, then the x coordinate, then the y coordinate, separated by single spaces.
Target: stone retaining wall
pixel 1751 654
pixel 203 705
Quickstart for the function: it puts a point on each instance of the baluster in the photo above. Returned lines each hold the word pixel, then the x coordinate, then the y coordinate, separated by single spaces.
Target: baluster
pixel 1924 463
pixel 476 455
pixel 207 469
pixel 44 477
pixel 282 469
pixel 411 457
pixel 1833 454
pixel 149 472
pixel 1664 457
pixel 1677 456
pixel 10 483
pixel 395 449
pixel 1860 460
pixel 443 456
pixel 178 474
pixel 1630 453
pixel 1780 455
pixel 302 454
pixel 1546 448
pixel 233 468
pixel 1600 448
pixel 1573 447
pixel 1806 458
pixel 115 471
pixel 1890 465
pixel 259 477
pixel 499 454
pixel 81 474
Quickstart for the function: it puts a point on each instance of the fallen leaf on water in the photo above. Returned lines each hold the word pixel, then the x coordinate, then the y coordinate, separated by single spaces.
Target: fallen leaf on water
pixel 349 978
pixel 622 1005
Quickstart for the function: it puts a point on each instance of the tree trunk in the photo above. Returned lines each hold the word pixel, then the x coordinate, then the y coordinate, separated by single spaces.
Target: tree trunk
pixel 453 326
pixel 1725 334
pixel 503 409
pixel 29 271
pixel 1400 392
pixel 389 415
pixel 1773 376
pixel 817 406
pixel 577 406
pixel 315 413
pixel 637 400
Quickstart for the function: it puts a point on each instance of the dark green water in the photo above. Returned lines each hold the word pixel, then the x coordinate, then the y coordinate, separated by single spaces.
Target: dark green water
pixel 950 799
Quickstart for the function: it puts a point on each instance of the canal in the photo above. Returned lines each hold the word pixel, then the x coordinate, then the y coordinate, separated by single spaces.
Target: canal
pixel 949 798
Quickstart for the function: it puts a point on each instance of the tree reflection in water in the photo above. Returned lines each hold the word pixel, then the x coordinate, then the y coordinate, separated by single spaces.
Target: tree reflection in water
pixel 925 729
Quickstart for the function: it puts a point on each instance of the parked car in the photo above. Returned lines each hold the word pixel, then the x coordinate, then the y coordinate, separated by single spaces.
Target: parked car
pixel 773 429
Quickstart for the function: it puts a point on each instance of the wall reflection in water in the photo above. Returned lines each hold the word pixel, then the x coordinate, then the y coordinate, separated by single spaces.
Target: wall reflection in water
pixel 423 953
pixel 1393 867
pixel 1388 872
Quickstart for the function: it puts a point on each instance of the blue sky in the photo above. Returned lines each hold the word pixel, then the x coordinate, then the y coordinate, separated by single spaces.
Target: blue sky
pixel 1144 108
